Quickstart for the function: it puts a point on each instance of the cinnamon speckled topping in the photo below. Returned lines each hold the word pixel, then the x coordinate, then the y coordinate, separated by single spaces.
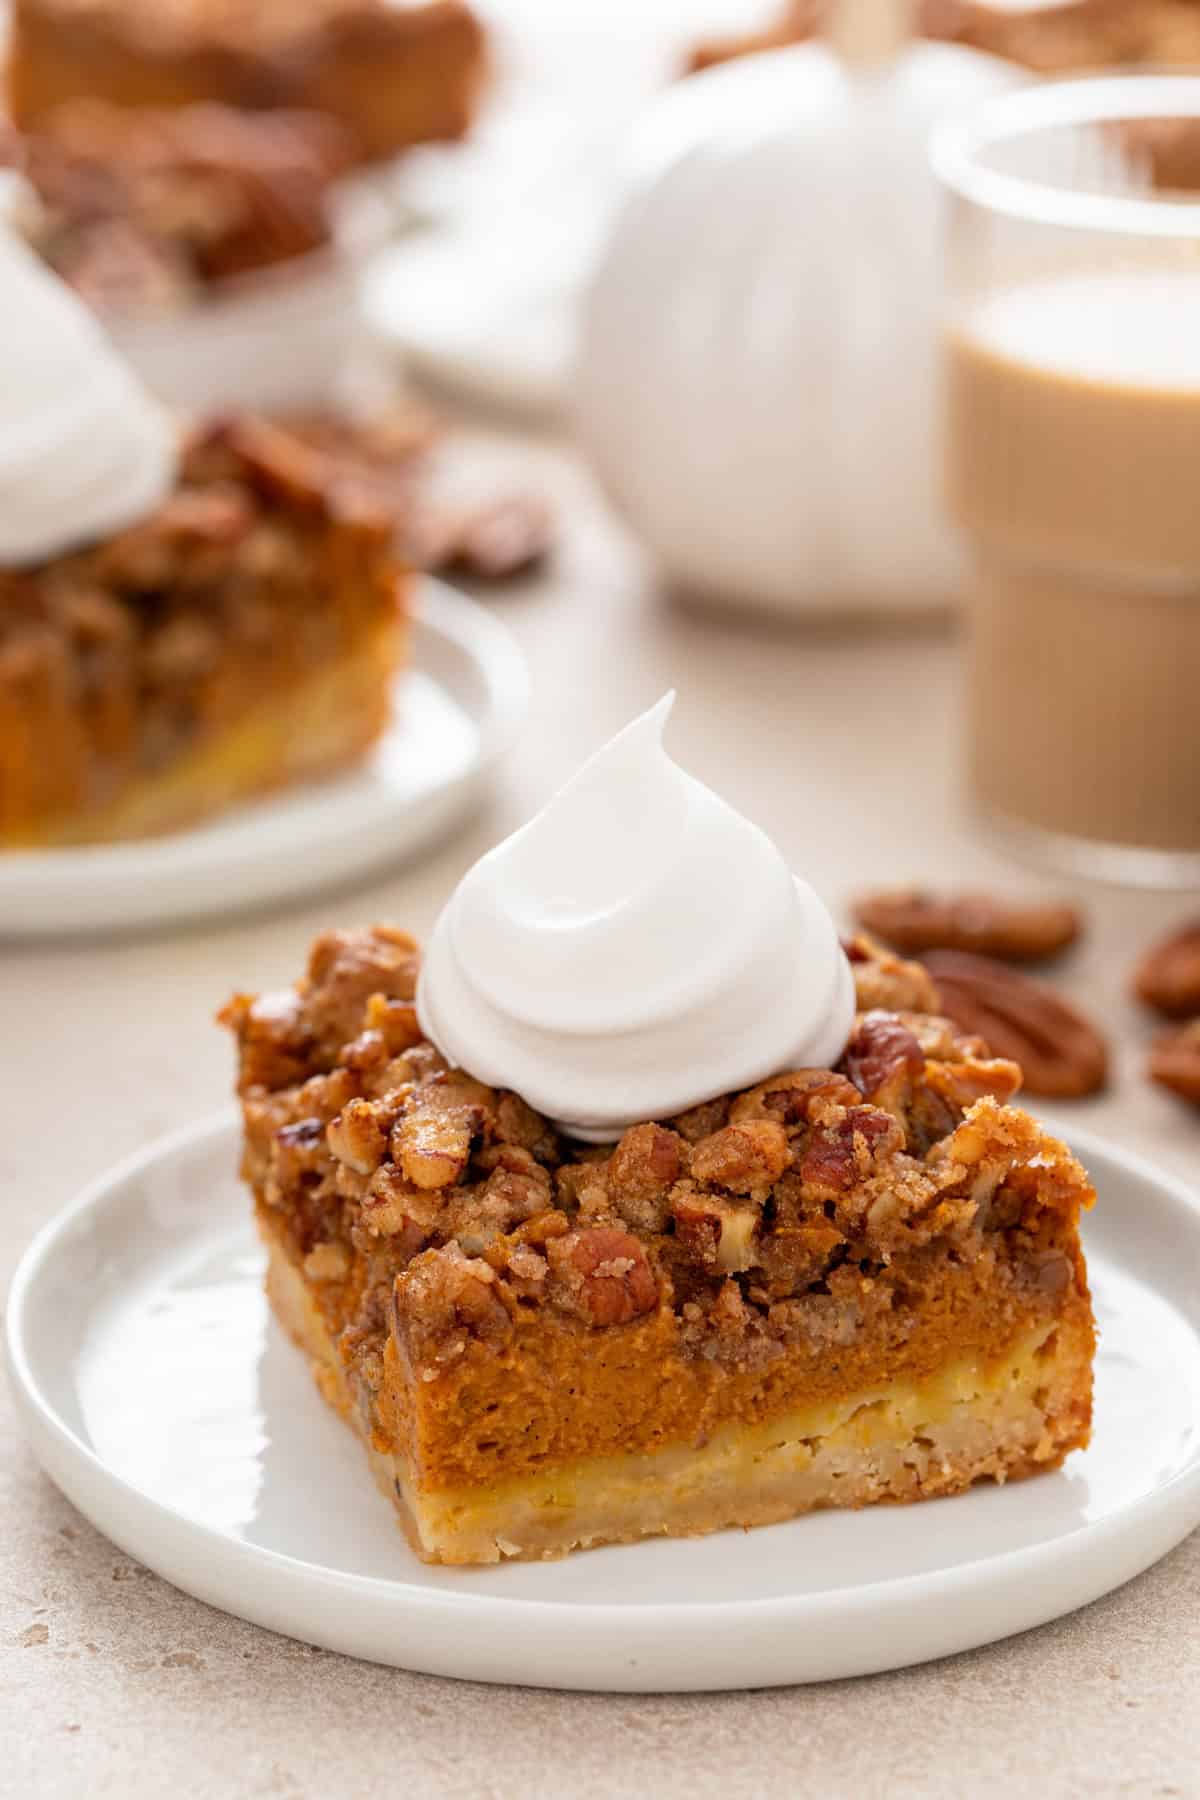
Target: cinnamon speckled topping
pixel 789 1208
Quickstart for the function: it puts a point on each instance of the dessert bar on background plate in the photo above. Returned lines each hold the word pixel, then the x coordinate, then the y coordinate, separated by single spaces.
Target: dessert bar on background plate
pixel 456 709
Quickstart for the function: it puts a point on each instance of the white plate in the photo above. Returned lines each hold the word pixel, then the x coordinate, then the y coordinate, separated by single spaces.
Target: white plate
pixel 457 708
pixel 168 1406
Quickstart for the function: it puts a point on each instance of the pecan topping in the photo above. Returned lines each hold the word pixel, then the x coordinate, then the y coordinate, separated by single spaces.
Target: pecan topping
pixel 837 1157
pixel 745 1158
pixel 432 1141
pixel 358 1137
pixel 1061 1055
pixel 790 1099
pixel 715 1234
pixel 493 541
pixel 442 1301
pixel 643 1168
pixel 1168 976
pixel 603 1275
pixel 1175 1061
pixel 884 981
pixel 915 920
pixel 883 1059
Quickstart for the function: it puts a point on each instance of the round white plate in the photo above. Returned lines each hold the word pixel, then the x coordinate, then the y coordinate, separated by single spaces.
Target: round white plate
pixel 169 1407
pixel 458 706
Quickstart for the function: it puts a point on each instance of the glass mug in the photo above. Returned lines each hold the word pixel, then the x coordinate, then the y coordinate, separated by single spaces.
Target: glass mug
pixel 1072 447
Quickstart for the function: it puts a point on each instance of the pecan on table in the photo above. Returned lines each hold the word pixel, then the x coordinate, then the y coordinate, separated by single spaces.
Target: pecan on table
pixel 915 920
pixel 1062 1055
pixel 1175 1061
pixel 1168 976
pixel 492 540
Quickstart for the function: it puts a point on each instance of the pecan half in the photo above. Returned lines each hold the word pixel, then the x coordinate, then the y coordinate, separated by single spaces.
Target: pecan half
pixel 1168 976
pixel 1175 1061
pixel 915 920
pixel 602 1274
pixel 1060 1053
pixel 492 541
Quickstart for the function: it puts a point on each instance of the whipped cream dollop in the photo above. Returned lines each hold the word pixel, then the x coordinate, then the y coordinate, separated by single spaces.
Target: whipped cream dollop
pixel 84 449
pixel 635 949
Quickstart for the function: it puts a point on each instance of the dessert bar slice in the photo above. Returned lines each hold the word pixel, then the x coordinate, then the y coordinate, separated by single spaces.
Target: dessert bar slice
pixel 394 74
pixel 842 1286
pixel 244 636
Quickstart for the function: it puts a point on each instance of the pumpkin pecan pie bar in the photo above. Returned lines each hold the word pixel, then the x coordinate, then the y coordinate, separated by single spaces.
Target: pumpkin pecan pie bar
pixel 842 1286
pixel 245 635
pixel 393 74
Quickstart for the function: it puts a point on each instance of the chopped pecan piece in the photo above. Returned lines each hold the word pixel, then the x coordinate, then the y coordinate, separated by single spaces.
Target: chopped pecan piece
pixel 789 1099
pixel 642 1170
pixel 395 1021
pixel 1168 976
pixel 915 920
pixel 1175 1061
pixel 885 982
pixel 493 541
pixel 746 1158
pixel 346 969
pixel 793 1256
pixel 441 1302
pixel 517 1123
pixel 274 1040
pixel 715 1234
pixel 516 1183
pixel 883 1059
pixel 602 1275
pixel 431 1140
pixel 837 1157
pixel 298 1150
pixel 395 1209
pixel 963 1082
pixel 701 1121
pixel 1061 1055
pixel 359 1135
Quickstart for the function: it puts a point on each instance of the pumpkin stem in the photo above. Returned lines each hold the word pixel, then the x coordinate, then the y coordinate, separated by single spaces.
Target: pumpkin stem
pixel 865 33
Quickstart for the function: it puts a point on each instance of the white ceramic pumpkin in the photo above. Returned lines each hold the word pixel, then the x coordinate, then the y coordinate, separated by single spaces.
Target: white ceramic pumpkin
pixel 756 383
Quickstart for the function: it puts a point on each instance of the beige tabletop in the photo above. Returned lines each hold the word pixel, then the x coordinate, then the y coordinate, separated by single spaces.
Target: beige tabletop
pixel 842 745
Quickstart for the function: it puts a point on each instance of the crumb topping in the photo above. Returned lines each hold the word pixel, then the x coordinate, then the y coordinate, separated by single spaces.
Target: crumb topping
pixel 796 1206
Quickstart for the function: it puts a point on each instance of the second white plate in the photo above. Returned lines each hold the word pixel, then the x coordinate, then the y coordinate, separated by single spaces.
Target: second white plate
pixel 458 706
pixel 168 1406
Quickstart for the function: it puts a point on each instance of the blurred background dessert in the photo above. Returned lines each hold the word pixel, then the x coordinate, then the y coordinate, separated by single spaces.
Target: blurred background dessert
pixel 222 248
pixel 152 209
pixel 185 622
pixel 394 75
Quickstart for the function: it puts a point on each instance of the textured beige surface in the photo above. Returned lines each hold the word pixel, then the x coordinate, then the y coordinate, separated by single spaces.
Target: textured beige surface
pixel 112 1683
